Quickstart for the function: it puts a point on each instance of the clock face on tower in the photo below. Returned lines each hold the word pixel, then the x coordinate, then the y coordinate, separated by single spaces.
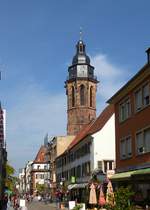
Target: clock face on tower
pixel 82 71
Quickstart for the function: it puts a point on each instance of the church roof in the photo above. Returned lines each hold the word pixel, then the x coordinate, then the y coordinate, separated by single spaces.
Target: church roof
pixel 93 126
pixel 41 157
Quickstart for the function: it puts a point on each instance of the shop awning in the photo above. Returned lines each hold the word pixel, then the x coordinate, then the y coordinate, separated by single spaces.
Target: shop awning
pixel 123 175
pixel 127 175
pixel 142 171
pixel 80 185
pixel 71 186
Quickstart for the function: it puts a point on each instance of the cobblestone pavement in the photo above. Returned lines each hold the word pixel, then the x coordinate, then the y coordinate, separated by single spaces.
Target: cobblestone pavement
pixel 36 205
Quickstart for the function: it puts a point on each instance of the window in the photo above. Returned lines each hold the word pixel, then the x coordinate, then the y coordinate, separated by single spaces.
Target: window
pixel 82 95
pixel 146 94
pixel 88 168
pixel 142 97
pixel 138 100
pixel 91 96
pixel 99 165
pixel 105 166
pixel 83 169
pixel 110 165
pixel 78 171
pixel 125 110
pixel 143 141
pixel 73 97
pixel 125 148
pixel 38 167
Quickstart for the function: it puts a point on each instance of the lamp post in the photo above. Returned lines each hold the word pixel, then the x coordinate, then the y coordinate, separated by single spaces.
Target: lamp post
pixel 98 175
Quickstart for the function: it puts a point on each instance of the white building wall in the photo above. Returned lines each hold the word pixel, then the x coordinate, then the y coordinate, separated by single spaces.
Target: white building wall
pixel 40 166
pixel 104 143
pixel 4 124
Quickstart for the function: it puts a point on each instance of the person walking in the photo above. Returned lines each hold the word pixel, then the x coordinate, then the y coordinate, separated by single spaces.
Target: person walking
pixel 4 202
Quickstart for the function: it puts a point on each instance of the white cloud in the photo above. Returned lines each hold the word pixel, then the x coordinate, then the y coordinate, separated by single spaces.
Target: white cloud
pixel 104 67
pixel 35 113
pixel 111 77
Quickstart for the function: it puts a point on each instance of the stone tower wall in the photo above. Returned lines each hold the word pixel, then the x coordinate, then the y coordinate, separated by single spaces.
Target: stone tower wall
pixel 80 115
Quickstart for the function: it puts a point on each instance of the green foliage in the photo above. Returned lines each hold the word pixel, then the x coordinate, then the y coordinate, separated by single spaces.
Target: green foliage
pixel 40 188
pixel 78 207
pixel 122 199
pixel 10 180
pixel 9 170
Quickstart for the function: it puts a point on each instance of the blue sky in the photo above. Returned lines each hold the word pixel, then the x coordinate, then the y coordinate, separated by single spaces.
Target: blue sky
pixel 37 43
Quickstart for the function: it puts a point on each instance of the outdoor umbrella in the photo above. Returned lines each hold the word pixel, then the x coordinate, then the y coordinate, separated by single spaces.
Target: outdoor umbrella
pixel 92 198
pixel 110 194
pixel 102 201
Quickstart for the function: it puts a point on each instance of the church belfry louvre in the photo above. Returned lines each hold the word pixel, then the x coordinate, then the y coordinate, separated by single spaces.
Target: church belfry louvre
pixel 81 85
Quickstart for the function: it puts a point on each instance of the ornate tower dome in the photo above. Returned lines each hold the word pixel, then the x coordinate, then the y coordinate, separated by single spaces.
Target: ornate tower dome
pixel 80 56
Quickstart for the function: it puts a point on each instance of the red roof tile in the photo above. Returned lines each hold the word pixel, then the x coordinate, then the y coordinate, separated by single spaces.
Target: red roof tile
pixel 94 126
pixel 40 157
pixel 102 119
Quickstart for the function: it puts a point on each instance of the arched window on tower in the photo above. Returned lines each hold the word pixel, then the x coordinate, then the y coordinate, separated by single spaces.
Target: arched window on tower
pixel 82 95
pixel 73 97
pixel 91 96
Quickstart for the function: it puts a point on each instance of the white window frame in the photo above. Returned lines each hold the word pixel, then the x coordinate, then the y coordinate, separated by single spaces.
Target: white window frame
pixel 126 105
pixel 143 99
pixel 127 149
pixel 143 149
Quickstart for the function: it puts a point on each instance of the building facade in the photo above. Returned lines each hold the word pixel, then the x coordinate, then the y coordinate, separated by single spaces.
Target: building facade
pixel 22 181
pixel 3 152
pixel 55 147
pixel 87 153
pixel 81 85
pixel 40 173
pixel 28 170
pixel 132 122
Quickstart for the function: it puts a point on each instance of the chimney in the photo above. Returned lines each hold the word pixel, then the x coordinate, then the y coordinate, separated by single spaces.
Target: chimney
pixel 148 55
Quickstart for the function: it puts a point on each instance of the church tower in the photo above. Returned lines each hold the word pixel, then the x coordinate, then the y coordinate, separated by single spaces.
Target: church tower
pixel 80 87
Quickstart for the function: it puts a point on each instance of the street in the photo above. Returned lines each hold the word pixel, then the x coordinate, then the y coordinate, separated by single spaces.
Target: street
pixel 36 205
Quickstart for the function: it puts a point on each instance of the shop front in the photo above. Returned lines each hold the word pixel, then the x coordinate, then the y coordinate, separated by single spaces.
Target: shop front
pixel 78 192
pixel 139 180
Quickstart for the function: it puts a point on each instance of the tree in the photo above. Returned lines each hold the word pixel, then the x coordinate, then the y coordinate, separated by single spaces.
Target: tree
pixel 10 180
pixel 122 199
pixel 40 188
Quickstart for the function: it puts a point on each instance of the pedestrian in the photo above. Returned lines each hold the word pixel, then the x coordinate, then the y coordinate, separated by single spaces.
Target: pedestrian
pixel 9 205
pixel 4 202
pixel 15 202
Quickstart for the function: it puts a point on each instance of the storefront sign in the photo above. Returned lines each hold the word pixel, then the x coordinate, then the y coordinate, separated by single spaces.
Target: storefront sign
pixel 73 179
